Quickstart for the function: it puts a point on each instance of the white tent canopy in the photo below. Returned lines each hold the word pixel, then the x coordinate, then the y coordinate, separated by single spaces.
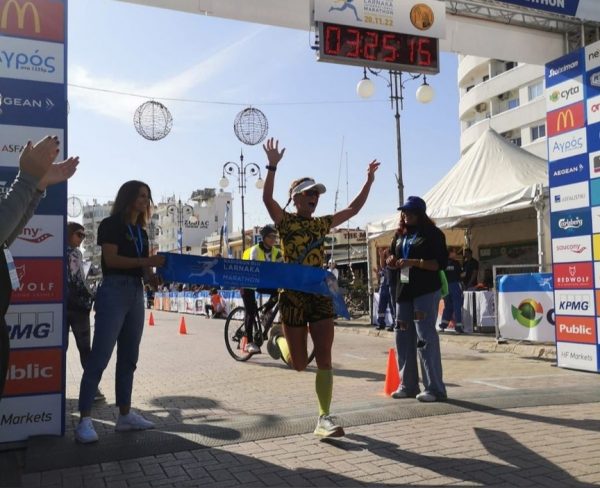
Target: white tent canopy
pixel 494 176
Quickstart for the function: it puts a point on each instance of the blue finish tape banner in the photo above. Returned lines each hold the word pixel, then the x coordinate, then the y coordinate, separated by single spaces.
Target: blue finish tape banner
pixel 583 9
pixel 237 273
pixel 525 282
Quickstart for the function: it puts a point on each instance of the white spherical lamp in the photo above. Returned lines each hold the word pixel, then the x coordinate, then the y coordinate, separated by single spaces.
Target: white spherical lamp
pixel 260 183
pixel 224 182
pixel 365 88
pixel 425 93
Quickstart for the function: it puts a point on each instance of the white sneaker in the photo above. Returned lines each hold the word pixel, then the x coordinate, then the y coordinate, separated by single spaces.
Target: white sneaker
pixel 132 421
pixel 252 348
pixel 326 427
pixel 84 432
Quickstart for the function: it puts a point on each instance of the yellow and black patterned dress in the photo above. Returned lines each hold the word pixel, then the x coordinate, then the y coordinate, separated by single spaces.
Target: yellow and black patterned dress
pixel 303 242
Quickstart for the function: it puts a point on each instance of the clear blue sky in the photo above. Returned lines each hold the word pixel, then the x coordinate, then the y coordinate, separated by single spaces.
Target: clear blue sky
pixel 161 53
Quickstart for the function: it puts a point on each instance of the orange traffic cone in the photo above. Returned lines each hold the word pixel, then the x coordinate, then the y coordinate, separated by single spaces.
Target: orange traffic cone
pixel 151 319
pixel 392 378
pixel 182 327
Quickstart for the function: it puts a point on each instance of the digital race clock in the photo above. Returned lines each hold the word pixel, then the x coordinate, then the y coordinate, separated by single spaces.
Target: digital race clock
pixel 378 49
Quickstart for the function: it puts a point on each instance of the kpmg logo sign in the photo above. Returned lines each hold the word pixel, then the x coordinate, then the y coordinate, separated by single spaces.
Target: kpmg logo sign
pixel 563 94
pixel 572 249
pixel 12 138
pixel 31 60
pixel 566 119
pixel 37 19
pixel 564 68
pixel 32 103
pixel 567 302
pixel 569 196
pixel 567 145
pixel 35 325
pixel 571 223
pixel 570 170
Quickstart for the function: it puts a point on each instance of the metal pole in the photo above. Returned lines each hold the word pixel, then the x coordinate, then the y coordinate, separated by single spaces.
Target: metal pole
pixel 180 222
pixel 395 97
pixel 242 177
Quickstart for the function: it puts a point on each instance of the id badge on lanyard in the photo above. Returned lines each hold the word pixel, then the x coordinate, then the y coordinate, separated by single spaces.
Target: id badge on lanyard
pixel 405 272
pixel 12 270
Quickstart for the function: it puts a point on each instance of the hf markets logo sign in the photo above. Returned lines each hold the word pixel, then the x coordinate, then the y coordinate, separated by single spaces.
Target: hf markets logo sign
pixel 568 224
pixel 23 59
pixel 573 276
pixel 13 137
pixel 41 280
pixel 576 329
pixel 567 145
pixel 569 196
pixel 565 119
pixel 566 93
pixel 34 371
pixel 33 19
pixel 579 303
pixel 42 236
pixel 572 249
pixel 35 325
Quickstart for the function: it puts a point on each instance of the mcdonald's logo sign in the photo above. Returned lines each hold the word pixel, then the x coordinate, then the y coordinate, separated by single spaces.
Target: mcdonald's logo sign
pixel 33 19
pixel 566 119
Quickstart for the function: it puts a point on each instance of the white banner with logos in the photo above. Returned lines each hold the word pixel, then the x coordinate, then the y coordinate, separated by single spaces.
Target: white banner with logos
pixel 526 307
pixel 417 17
pixel 21 417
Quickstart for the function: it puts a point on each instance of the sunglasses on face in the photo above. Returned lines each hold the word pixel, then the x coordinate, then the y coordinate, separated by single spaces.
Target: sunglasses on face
pixel 311 193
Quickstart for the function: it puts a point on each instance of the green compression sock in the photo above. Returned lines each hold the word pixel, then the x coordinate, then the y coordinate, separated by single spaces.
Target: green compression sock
pixel 324 389
pixel 285 349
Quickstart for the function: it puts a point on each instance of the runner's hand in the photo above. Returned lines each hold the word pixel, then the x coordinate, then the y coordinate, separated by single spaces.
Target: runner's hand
pixel 272 150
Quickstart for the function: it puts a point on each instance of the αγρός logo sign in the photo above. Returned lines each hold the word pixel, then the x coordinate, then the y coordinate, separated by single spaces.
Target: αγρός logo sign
pixel 39 19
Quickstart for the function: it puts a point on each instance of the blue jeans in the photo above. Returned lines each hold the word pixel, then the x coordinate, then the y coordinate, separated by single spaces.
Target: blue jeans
pixel 419 335
pixel 453 303
pixel 119 320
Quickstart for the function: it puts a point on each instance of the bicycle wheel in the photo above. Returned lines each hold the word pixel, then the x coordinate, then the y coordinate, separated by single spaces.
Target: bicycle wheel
pixel 235 335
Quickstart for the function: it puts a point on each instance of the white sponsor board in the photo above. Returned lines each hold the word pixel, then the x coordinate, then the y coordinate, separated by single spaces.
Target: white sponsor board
pixel 22 417
pixel 593 110
pixel 577 356
pixel 592 55
pixel 563 94
pixel 567 145
pixel 597 276
pixel 572 249
pixel 508 316
pixel 35 325
pixel 42 236
pixel 567 197
pixel 574 302
pixel 27 59
pixel 14 137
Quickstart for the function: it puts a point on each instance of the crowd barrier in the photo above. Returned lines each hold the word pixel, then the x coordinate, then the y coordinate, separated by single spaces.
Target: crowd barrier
pixel 193 302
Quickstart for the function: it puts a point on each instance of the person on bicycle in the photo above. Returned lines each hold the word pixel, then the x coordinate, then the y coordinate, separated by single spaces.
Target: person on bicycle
pixel 265 250
pixel 302 238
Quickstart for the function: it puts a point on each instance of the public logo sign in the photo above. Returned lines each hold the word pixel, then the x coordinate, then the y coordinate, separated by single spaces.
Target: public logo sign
pixel 574 302
pixel 24 59
pixel 41 280
pixel 33 19
pixel 569 196
pixel 13 137
pixel 35 325
pixel 565 93
pixel 572 249
pixel 529 313
pixel 573 276
pixel 34 371
pixel 576 329
pixel 565 119
pixel 571 223
pixel 571 170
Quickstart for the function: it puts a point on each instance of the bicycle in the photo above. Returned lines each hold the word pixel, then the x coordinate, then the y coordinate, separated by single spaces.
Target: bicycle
pixel 235 332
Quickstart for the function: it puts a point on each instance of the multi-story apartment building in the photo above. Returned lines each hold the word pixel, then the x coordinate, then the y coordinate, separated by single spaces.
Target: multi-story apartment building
pixel 506 96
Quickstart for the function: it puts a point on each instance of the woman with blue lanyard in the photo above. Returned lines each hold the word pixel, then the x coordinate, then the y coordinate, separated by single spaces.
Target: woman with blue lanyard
pixel 418 253
pixel 119 307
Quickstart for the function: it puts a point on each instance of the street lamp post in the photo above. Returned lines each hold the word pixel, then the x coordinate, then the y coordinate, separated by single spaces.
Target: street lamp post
pixel 242 171
pixel 180 211
pixel 366 89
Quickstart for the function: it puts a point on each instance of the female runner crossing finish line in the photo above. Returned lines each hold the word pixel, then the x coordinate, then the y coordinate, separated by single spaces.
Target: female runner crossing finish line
pixel 302 237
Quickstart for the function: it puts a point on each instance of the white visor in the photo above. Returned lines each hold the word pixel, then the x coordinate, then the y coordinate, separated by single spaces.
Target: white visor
pixel 309 184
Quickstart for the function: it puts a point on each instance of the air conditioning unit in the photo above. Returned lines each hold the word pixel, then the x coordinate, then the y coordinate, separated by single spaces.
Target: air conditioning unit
pixel 480 107
pixel 504 96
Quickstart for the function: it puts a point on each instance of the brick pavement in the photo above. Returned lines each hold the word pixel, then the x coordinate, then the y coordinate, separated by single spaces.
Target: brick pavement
pixel 195 392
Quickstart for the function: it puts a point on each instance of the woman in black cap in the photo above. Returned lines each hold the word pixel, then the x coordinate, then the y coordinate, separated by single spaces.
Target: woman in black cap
pixel 418 253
